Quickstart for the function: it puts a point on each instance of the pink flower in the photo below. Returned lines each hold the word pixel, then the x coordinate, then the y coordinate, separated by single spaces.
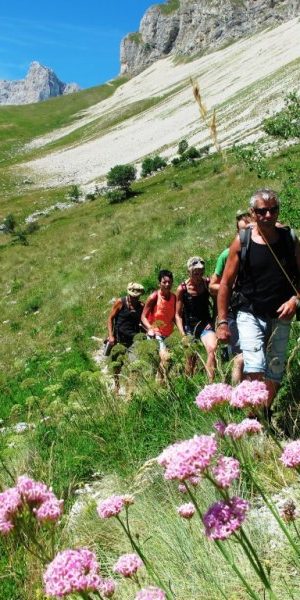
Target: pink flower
pixel 249 393
pixel 10 504
pixel 151 593
pixel 291 454
pixel 220 427
pixel 32 491
pixel 72 571
pixel 110 507
pixel 188 458
pixel 50 509
pixel 245 427
pixel 107 587
pixel 212 395
pixel 186 511
pixel 128 564
pixel 226 471
pixel 223 518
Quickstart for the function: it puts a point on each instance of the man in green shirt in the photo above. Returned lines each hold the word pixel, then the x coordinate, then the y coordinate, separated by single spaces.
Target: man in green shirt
pixel 242 221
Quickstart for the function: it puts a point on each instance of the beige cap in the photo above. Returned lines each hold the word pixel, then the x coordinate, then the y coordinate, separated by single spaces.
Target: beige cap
pixel 242 213
pixel 195 262
pixel 135 289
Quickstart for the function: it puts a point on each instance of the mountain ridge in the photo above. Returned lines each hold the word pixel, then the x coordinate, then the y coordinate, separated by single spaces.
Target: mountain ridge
pixel 39 84
pixel 185 28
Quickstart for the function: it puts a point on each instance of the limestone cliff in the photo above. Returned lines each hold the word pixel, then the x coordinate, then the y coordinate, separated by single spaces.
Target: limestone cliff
pixel 190 27
pixel 39 84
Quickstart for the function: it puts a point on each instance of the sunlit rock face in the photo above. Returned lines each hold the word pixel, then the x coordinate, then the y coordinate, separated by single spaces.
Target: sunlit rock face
pixel 39 84
pixel 199 26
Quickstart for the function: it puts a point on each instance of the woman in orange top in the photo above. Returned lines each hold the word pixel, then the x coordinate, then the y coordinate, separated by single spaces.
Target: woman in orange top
pixel 158 316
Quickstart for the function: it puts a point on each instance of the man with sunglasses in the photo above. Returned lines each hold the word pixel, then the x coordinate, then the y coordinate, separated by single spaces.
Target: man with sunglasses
pixel 268 296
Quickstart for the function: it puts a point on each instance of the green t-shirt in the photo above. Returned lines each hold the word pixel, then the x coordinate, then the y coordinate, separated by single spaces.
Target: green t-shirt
pixel 221 261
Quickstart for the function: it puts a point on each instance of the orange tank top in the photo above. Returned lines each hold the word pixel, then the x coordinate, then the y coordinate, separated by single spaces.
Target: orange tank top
pixel 163 314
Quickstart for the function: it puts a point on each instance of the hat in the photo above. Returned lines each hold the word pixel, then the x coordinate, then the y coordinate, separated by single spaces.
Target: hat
pixel 135 289
pixel 242 213
pixel 195 262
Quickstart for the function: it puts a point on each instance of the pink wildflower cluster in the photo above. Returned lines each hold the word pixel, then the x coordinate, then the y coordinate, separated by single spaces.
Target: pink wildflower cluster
pixel 249 393
pixel 44 505
pixel 186 511
pixel 245 427
pixel 225 517
pixel 128 564
pixel 151 593
pixel 212 395
pixel 75 571
pixel 291 454
pixel 110 507
pixel 189 458
pixel 10 504
pixel 226 471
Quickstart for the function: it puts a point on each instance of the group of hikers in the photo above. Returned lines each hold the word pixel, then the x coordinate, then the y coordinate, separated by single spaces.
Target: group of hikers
pixel 255 287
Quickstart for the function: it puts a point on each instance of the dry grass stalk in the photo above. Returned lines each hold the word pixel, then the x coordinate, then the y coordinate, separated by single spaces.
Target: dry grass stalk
pixel 210 125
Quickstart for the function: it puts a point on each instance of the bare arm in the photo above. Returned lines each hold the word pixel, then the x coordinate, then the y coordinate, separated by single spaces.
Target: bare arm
pixel 148 308
pixel 179 310
pixel 111 320
pixel 227 281
pixel 214 284
pixel 288 308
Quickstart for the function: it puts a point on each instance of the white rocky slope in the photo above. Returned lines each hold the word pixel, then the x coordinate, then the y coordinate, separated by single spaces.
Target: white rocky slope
pixel 243 82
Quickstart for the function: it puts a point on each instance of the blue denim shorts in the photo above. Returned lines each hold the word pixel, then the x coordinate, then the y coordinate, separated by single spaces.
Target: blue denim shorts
pixel 160 339
pixel 263 342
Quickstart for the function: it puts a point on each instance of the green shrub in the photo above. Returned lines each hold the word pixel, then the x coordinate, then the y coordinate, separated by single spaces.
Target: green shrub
pixel 152 164
pixel 9 223
pixel 286 123
pixel 182 147
pixel 121 176
pixel 116 196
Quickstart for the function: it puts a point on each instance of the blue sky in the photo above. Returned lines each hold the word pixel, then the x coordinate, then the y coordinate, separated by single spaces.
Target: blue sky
pixel 79 40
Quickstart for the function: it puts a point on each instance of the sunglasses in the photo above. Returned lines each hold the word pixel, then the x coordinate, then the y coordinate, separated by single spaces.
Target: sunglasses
pixel 263 211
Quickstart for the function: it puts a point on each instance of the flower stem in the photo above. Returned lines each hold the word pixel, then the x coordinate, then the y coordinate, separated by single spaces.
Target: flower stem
pixel 138 550
pixel 223 551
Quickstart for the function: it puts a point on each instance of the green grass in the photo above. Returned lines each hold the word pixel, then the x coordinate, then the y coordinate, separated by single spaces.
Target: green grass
pixel 169 7
pixel 19 124
pixel 52 302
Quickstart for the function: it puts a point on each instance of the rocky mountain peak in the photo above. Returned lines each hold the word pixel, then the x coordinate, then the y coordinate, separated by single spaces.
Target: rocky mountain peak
pixel 189 27
pixel 39 84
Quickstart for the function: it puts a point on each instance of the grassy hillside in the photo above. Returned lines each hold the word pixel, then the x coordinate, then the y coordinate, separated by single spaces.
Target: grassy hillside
pixel 62 424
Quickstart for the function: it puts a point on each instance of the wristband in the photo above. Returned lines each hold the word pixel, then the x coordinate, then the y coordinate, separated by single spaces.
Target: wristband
pixel 222 322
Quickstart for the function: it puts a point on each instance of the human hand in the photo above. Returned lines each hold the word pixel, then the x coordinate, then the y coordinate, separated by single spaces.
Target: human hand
pixel 223 333
pixel 288 308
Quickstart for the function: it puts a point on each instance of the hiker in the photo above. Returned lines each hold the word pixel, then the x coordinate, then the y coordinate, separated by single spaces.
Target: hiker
pixel 124 322
pixel 193 316
pixel 265 265
pixel 243 219
pixel 158 317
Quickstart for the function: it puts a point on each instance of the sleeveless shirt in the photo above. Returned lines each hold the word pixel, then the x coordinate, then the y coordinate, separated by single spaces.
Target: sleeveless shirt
pixel 163 314
pixel 127 322
pixel 195 308
pixel 264 286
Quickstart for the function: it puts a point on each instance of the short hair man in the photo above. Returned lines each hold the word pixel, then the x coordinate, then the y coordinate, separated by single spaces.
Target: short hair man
pixel 268 297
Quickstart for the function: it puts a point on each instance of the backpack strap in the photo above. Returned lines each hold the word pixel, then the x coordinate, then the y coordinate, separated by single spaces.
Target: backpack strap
pixel 245 237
